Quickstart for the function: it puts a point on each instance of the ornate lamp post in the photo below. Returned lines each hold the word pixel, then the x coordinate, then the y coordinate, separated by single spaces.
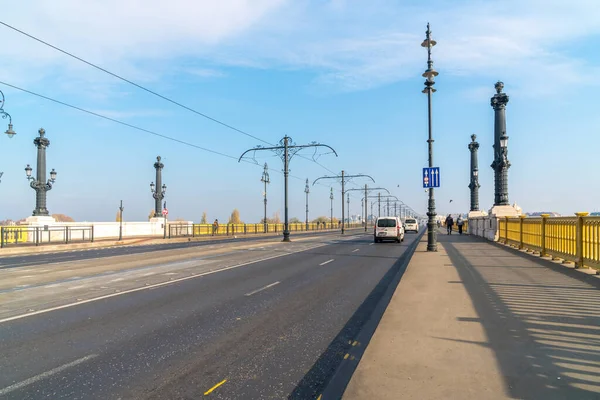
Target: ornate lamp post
pixel 39 183
pixel 5 115
pixel 501 163
pixel 158 190
pixel 430 74
pixel 121 208
pixel 474 184
pixel 265 179
pixel 307 191
pixel 331 210
pixel 348 196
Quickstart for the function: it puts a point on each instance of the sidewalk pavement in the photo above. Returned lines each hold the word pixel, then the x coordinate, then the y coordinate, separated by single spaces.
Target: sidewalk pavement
pixel 478 320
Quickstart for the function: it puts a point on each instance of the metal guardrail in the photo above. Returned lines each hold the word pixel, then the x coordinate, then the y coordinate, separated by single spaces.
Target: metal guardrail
pixel 575 239
pixel 39 235
pixel 195 230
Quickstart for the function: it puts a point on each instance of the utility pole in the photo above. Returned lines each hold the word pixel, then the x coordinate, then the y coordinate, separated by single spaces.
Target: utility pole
pixel 286 150
pixel 265 179
pixel 344 178
pixel 367 189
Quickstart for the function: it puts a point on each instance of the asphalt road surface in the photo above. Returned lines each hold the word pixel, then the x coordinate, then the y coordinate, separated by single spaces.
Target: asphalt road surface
pixel 83 254
pixel 272 328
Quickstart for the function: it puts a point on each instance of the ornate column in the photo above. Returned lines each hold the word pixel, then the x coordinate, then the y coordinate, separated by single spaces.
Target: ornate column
pixel 501 163
pixel 39 183
pixel 474 184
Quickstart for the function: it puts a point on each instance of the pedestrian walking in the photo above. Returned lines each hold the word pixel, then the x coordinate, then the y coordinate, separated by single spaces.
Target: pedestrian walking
pixel 460 223
pixel 449 223
pixel 215 227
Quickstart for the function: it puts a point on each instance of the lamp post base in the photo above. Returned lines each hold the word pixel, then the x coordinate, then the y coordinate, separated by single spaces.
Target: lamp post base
pixel 431 235
pixel 286 237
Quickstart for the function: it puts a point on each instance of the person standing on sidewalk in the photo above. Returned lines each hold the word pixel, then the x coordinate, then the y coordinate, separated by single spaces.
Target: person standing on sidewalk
pixel 215 227
pixel 460 223
pixel 449 223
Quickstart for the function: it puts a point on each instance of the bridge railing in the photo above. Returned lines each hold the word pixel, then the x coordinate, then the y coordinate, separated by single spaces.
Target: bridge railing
pixel 40 235
pixel 575 239
pixel 194 230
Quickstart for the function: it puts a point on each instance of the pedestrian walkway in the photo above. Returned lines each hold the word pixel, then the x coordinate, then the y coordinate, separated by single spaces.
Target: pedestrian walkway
pixel 477 320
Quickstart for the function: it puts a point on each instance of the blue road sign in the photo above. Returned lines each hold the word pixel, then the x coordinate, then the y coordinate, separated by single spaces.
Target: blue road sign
pixel 431 177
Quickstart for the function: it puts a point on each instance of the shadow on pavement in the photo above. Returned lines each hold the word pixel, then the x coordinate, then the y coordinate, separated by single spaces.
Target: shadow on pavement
pixel 542 320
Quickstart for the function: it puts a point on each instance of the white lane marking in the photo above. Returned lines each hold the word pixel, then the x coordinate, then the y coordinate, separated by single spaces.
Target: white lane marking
pixel 355 250
pixel 327 262
pixel 154 285
pixel 262 288
pixel 44 375
pixel 371 244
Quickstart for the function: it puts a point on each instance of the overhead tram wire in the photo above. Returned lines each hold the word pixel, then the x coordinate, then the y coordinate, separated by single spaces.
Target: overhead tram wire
pixel 148 91
pixel 133 126
pixel 134 84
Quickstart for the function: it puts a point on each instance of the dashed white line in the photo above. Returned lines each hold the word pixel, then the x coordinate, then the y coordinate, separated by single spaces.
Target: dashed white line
pixel 44 375
pixel 355 250
pixel 262 288
pixel 327 262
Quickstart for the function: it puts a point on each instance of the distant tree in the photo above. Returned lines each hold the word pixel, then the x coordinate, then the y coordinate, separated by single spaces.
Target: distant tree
pixel 62 218
pixel 321 220
pixel 151 215
pixel 276 219
pixel 118 217
pixel 204 220
pixel 235 217
pixel 295 221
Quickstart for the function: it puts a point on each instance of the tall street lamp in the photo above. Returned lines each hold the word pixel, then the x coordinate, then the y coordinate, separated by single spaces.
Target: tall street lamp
pixel 307 191
pixel 474 184
pixel 501 163
pixel 331 211
pixel 5 115
pixel 121 208
pixel 158 190
pixel 348 196
pixel 430 75
pixel 39 183
pixel 265 179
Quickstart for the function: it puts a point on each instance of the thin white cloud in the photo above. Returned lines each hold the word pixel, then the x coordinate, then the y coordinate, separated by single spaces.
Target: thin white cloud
pixel 348 45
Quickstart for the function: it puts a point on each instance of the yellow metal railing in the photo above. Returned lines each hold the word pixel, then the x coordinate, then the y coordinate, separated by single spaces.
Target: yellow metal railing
pixel 575 239
pixel 240 229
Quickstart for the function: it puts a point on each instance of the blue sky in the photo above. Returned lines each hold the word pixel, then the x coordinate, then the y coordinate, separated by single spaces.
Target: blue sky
pixel 343 73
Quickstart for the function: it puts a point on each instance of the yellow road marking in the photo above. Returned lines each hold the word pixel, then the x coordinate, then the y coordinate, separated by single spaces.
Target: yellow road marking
pixel 319 398
pixel 346 356
pixel 355 343
pixel 209 391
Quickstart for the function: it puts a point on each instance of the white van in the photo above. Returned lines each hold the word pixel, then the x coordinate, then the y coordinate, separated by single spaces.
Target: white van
pixel 388 228
pixel 411 224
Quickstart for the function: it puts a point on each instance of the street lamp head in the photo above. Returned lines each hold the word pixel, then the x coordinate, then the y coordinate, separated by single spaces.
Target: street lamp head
pixel 164 188
pixel 53 175
pixel 430 73
pixel 10 131
pixel 152 187
pixel 503 140
pixel 28 170
pixel 475 173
